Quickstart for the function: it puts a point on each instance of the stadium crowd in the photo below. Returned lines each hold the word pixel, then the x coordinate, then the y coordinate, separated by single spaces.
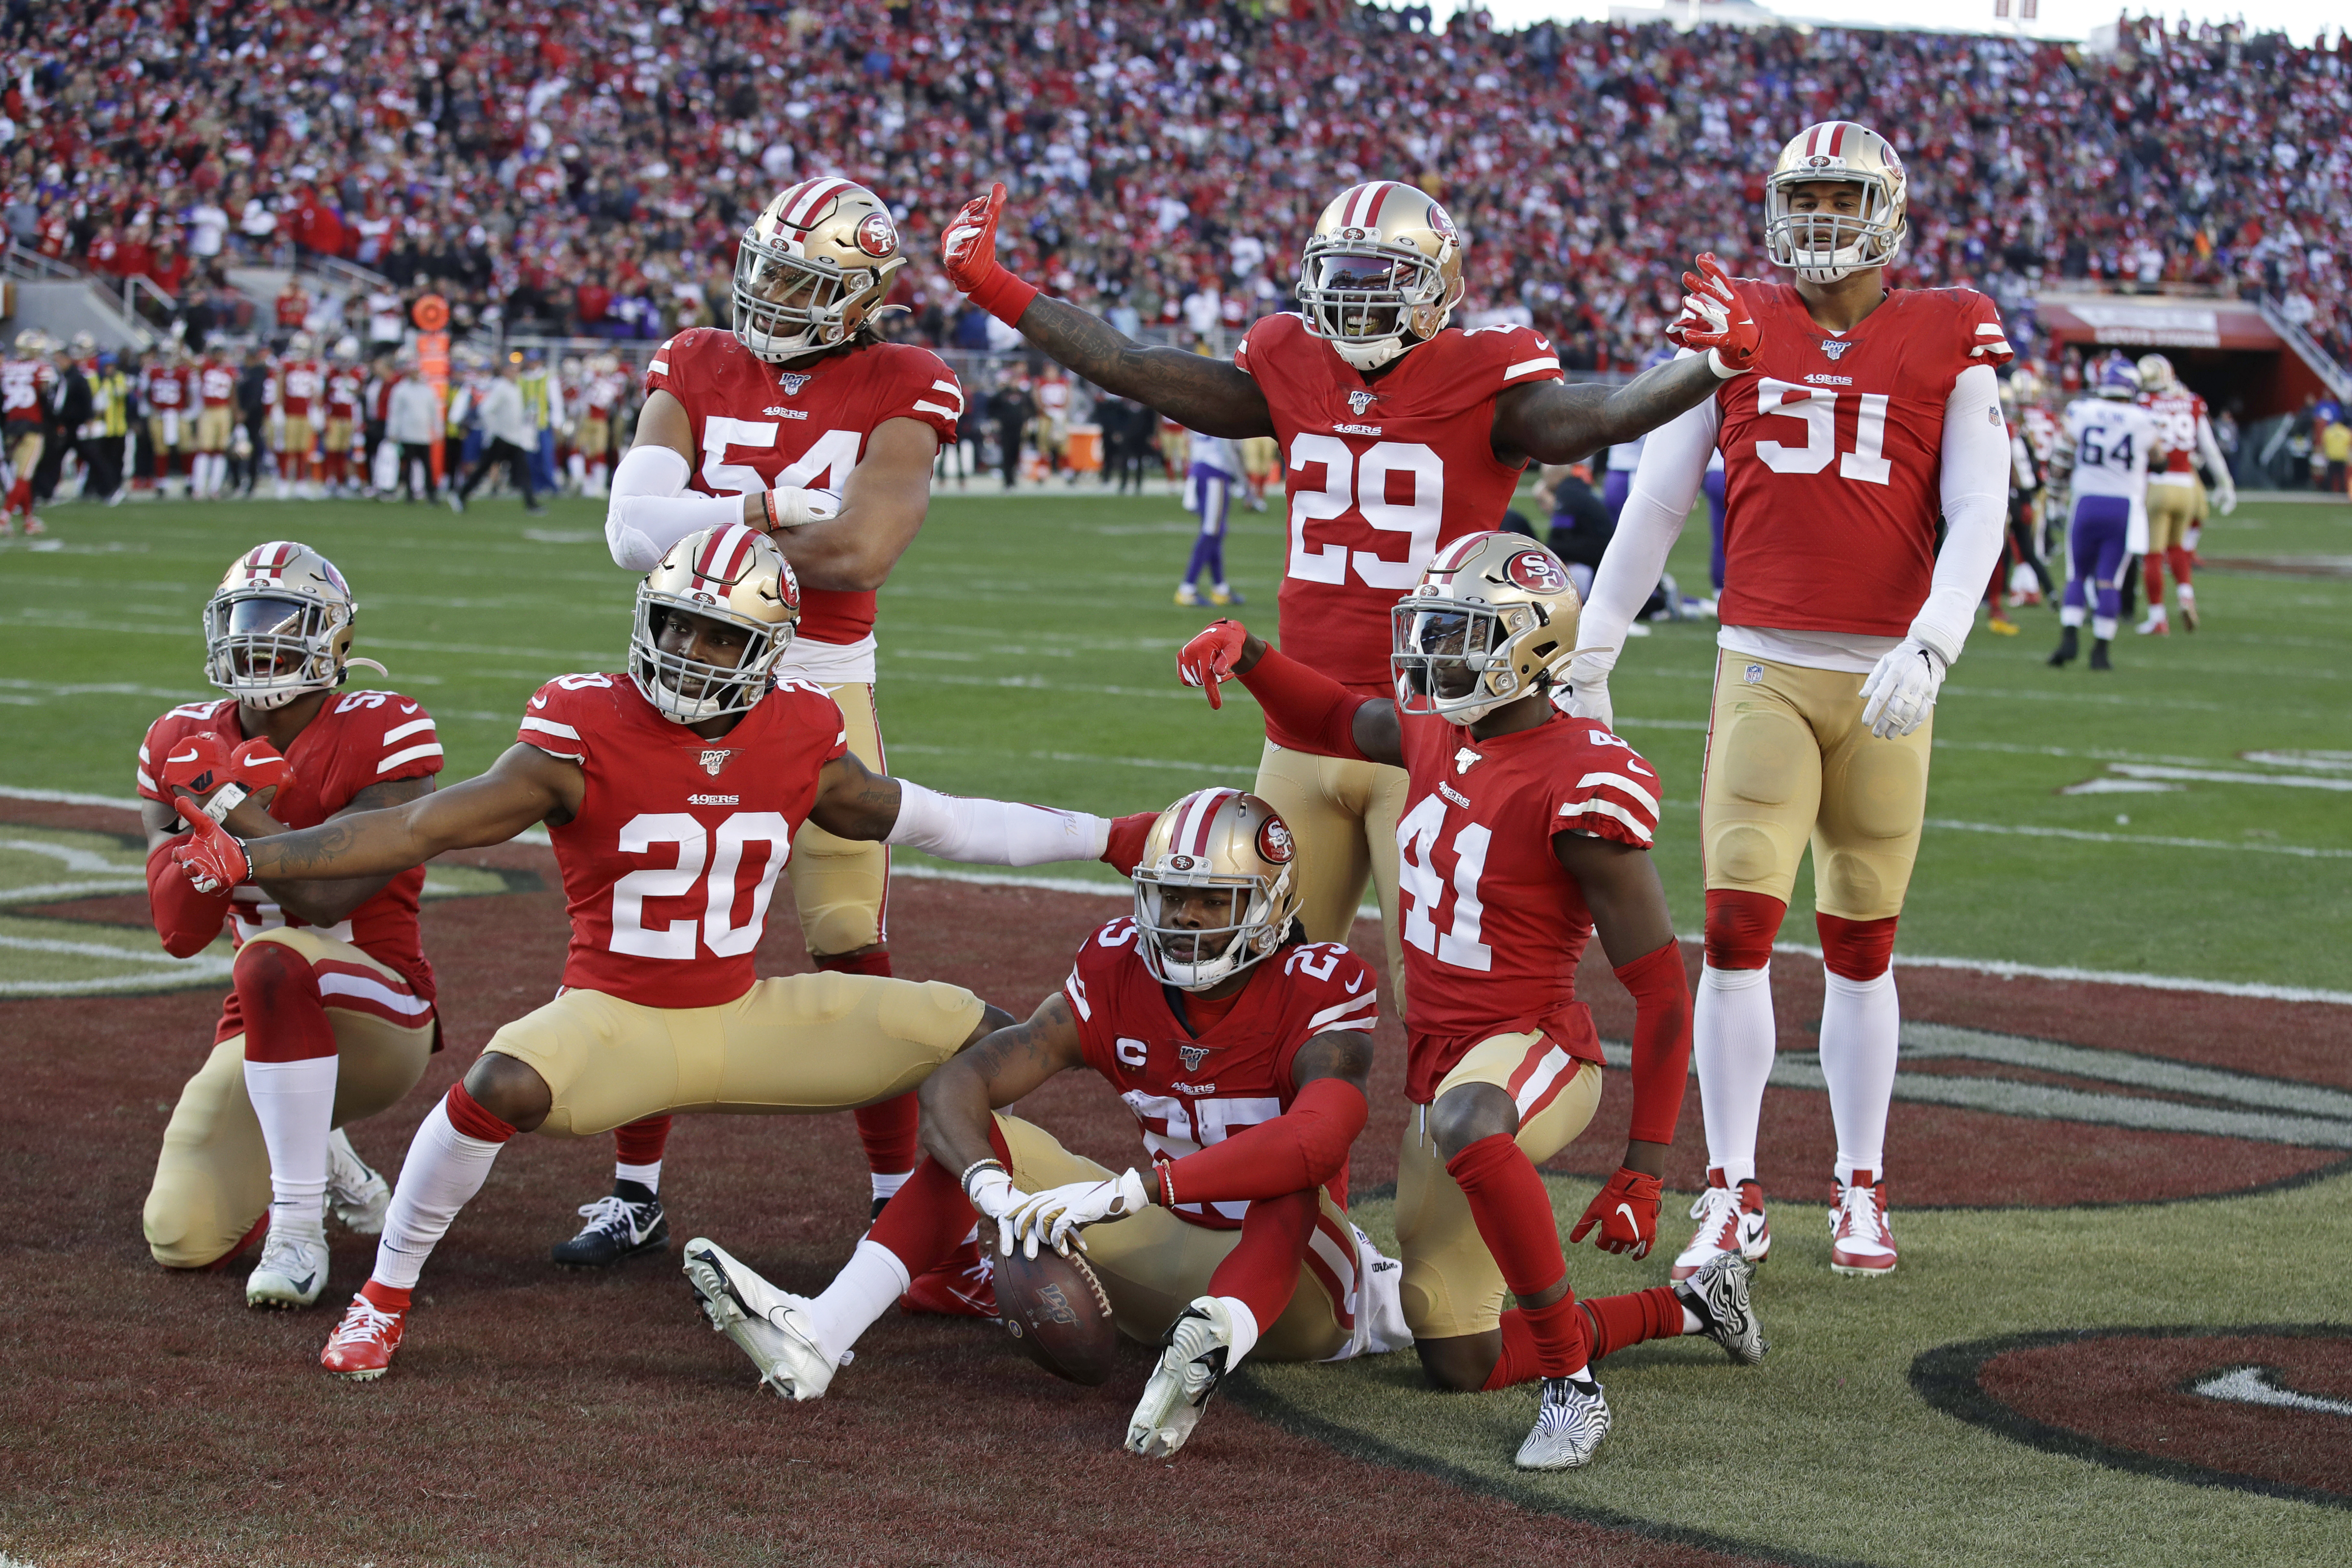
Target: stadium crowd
pixel 585 170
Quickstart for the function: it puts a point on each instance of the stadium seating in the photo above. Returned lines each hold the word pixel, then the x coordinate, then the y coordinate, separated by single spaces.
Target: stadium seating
pixel 584 169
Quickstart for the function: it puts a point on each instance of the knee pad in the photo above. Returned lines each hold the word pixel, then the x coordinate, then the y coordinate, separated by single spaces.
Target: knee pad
pixel 1855 950
pixel 273 981
pixel 1740 926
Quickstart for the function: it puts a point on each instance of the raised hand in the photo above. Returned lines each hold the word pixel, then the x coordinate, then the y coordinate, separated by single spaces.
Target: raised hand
pixel 1715 320
pixel 1208 660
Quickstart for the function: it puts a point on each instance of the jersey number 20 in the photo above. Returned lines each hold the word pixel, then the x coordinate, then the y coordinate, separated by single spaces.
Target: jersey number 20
pixel 717 928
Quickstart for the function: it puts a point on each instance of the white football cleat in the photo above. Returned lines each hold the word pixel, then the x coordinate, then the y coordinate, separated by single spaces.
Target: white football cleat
pixel 766 1324
pixel 1192 1362
pixel 1861 1241
pixel 2187 597
pixel 357 1195
pixel 1718 1293
pixel 1730 1221
pixel 292 1271
pixel 1570 1425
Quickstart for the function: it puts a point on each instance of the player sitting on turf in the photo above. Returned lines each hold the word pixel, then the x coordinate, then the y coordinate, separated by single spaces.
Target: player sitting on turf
pixel 329 1014
pixel 1525 832
pixel 672 794
pixel 1243 1050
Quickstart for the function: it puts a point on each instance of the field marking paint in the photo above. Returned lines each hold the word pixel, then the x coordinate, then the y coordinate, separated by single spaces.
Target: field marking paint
pixel 2218 775
pixel 1999 968
pixel 2091 835
pixel 2253 1385
pixel 1162 764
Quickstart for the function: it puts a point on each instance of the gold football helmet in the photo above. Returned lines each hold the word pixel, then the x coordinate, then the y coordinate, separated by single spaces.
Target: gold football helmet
pixel 1381 272
pixel 731 575
pixel 1823 246
pixel 1235 846
pixel 814 264
pixel 279 626
pixel 2156 374
pixel 1490 620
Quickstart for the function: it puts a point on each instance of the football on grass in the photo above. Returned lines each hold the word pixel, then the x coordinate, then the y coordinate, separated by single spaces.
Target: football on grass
pixel 1055 1308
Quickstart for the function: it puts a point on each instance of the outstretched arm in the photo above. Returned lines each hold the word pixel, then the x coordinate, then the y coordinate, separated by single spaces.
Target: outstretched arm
pixel 1304 1147
pixel 1555 422
pixel 1307 703
pixel 524 786
pixel 957 1097
pixel 854 802
pixel 1203 393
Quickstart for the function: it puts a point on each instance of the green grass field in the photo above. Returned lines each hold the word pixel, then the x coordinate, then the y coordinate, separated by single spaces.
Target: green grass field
pixel 1028 647
pixel 1028 652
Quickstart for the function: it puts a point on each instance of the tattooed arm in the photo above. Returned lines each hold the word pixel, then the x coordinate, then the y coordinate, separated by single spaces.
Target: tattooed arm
pixel 524 786
pixel 1554 421
pixel 1214 396
pixel 1000 1069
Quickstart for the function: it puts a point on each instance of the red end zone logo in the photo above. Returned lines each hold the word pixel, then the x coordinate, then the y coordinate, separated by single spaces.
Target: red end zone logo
pixel 1537 572
pixel 877 235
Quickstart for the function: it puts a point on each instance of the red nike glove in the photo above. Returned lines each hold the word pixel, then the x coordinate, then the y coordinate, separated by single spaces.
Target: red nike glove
pixel 1717 322
pixel 968 252
pixel 200 763
pixel 257 766
pixel 220 777
pixel 1127 836
pixel 1627 1213
pixel 1208 659
pixel 212 858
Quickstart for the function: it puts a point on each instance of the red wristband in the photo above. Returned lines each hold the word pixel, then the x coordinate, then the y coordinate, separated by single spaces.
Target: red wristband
pixel 1662 1041
pixel 1004 295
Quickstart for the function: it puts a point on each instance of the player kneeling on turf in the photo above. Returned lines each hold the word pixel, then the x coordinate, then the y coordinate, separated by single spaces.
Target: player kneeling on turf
pixel 1526 831
pixel 671 794
pixel 1242 1051
pixel 329 1014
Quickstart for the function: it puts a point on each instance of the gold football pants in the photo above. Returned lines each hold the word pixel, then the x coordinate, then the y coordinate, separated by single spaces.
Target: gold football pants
pixel 2172 511
pixel 1154 1265
pixel 799 1045
pixel 841 886
pixel 1452 1284
pixel 212 1179
pixel 1342 817
pixel 1789 761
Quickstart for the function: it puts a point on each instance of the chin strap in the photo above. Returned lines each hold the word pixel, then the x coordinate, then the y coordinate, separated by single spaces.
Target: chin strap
pixel 1371 356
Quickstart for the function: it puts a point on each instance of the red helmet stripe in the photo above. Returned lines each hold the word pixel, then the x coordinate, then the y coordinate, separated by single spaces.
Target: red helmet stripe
pixel 1380 199
pixel 1837 139
pixel 813 195
pixel 722 556
pixel 1192 834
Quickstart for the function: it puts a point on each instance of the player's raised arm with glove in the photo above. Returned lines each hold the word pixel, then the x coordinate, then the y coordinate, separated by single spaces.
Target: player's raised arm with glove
pixel 1308 704
pixel 1210 396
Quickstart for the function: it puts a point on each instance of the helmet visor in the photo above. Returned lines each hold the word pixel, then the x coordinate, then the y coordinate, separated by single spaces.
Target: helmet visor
pixel 693 665
pixel 258 640
pixel 1368 293
pixel 1438 653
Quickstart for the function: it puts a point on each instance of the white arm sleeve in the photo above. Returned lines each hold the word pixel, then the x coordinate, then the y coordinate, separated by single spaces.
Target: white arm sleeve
pixel 993 832
pixel 650 509
pixel 1976 511
pixel 2210 450
pixel 1674 464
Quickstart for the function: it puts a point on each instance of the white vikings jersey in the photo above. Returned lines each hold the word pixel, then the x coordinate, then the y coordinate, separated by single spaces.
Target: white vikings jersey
pixel 2113 442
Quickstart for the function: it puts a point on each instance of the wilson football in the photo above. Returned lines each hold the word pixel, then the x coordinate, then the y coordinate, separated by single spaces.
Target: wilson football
pixel 1056 1309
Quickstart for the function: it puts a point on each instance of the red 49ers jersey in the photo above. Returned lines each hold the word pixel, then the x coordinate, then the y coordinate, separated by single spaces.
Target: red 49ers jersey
pixel 670 867
pixel 1494 926
pixel 22 382
pixel 359 739
pixel 343 394
pixel 218 383
pixel 163 390
pixel 1832 455
pixel 759 428
pixel 1187 1092
pixel 1380 473
pixel 301 383
pixel 2181 412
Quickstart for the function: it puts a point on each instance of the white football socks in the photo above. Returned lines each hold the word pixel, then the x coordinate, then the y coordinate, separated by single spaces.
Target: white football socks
pixel 444 1169
pixel 1860 1025
pixel 646 1175
pixel 867 1284
pixel 886 1187
pixel 1246 1330
pixel 295 1102
pixel 1733 1040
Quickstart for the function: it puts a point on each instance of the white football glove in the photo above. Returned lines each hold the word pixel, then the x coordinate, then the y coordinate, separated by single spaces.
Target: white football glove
pixel 790 507
pixel 1901 693
pixel 1055 1215
pixel 1587 693
pixel 991 1191
pixel 2226 502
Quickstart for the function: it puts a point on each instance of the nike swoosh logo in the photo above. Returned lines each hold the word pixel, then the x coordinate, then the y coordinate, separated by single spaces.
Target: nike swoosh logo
pixel 408 707
pixel 1631 1223
pixel 1355 985
pixel 303 1284
pixel 188 756
pixel 538 701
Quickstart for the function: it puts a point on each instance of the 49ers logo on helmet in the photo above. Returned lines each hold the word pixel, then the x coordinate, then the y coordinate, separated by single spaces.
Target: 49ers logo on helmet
pixel 877 235
pixel 1537 572
pixel 1441 224
pixel 1273 841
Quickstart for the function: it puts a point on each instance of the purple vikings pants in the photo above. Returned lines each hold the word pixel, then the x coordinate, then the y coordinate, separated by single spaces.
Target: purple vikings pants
pixel 2095 554
pixel 1614 487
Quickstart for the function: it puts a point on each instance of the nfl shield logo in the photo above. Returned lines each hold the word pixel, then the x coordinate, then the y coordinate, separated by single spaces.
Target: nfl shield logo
pixel 1834 348
pixel 793 384
pixel 1465 759
pixel 714 761
pixel 1192 1057
pixel 1359 400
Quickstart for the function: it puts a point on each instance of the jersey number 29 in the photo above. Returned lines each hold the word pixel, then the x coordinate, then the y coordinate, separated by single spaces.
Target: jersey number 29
pixel 1359 487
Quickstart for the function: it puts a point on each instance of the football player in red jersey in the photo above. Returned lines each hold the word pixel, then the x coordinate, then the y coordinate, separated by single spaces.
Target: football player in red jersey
pixel 26 377
pixel 802 422
pixel 2176 497
pixel 1399 434
pixel 1871 410
pixel 672 794
pixel 1242 1051
pixel 1526 833
pixel 329 1018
